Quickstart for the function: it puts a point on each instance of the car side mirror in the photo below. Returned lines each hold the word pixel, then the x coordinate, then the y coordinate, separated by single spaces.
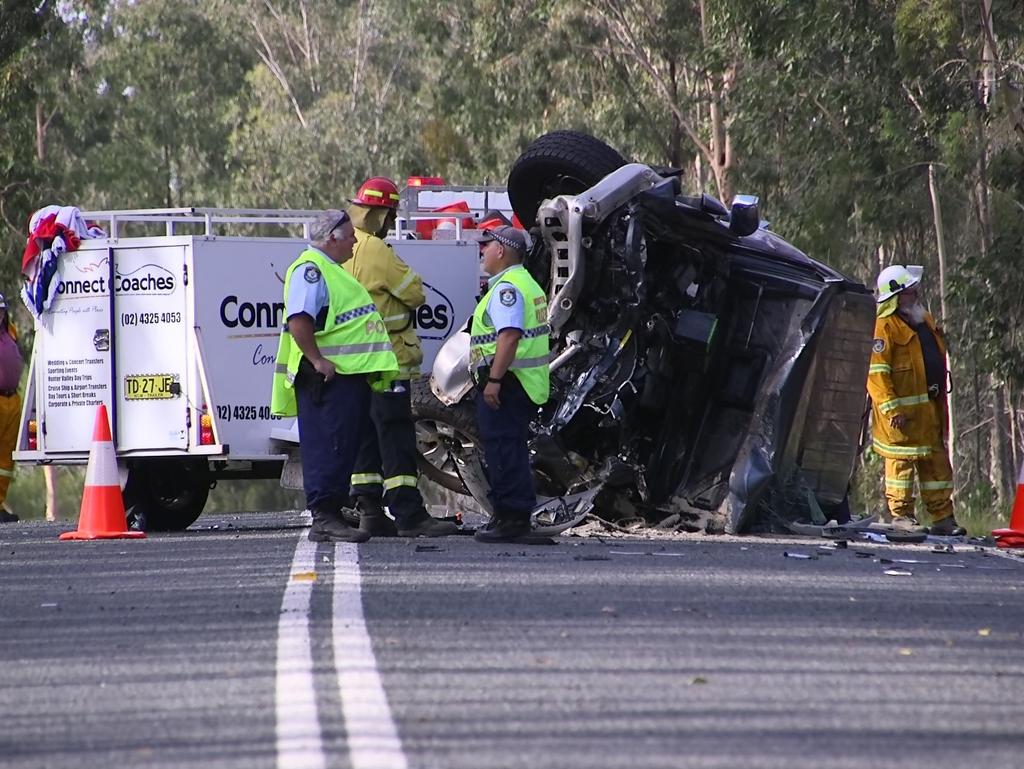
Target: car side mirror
pixel 745 217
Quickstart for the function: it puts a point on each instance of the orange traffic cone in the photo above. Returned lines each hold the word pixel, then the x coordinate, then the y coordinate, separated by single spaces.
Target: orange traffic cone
pixel 1014 536
pixel 102 515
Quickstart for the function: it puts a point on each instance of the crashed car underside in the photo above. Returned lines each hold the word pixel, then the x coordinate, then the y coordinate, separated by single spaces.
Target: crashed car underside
pixel 705 374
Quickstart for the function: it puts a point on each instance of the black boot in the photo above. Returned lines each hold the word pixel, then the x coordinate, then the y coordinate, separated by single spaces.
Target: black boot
pixel 947 527
pixel 509 527
pixel 329 526
pixel 372 518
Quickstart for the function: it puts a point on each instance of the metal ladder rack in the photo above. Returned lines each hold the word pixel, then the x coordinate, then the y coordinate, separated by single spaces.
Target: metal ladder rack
pixel 207 217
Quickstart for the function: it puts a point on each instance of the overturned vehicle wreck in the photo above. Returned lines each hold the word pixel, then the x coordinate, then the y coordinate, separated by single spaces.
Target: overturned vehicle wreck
pixel 705 374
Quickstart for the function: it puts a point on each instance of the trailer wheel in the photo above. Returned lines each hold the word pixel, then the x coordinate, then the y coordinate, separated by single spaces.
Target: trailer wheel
pixel 558 163
pixel 448 443
pixel 166 494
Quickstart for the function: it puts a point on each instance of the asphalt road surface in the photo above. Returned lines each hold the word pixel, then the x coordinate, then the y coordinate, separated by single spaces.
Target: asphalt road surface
pixel 241 644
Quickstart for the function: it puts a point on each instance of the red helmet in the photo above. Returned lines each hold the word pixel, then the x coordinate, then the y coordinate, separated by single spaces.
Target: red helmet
pixel 378 191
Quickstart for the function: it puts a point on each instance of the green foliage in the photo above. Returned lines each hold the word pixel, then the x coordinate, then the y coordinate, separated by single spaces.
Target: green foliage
pixel 926 34
pixel 151 123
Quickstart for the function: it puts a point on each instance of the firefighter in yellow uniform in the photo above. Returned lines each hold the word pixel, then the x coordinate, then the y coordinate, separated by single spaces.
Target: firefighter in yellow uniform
pixel 10 405
pixel 907 385
pixel 385 469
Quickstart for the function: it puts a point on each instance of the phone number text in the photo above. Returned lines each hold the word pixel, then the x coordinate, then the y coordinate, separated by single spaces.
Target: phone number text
pixel 244 413
pixel 149 318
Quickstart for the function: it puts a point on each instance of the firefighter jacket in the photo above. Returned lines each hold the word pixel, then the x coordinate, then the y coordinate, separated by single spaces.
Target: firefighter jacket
pixel 396 290
pixel 530 365
pixel 353 337
pixel 897 385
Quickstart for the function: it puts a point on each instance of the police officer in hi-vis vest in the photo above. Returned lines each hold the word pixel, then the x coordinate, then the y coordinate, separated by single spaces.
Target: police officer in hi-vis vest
pixel 509 361
pixel 385 468
pixel 332 351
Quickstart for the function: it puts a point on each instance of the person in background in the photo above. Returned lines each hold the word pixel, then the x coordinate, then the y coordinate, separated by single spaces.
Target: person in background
pixel 907 385
pixel 385 469
pixel 333 350
pixel 509 353
pixel 11 364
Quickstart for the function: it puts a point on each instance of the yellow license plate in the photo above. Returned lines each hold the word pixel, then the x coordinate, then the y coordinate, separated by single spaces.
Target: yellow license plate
pixel 141 387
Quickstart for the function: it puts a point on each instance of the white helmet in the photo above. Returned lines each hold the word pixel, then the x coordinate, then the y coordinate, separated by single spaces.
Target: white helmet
pixel 896 277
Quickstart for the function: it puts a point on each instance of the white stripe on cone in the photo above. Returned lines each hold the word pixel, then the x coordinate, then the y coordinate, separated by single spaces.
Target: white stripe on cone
pixel 102 470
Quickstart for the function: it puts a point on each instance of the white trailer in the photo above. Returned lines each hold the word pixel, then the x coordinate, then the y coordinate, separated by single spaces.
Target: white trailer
pixel 176 333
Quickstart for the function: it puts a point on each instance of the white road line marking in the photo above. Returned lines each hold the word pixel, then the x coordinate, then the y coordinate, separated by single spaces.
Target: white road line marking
pixel 299 742
pixel 372 736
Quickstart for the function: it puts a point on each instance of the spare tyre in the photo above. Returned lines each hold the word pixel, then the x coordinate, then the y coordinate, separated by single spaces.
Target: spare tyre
pixel 557 163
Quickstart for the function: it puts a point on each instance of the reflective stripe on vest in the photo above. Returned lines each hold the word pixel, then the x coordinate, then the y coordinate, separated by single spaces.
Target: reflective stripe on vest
pixel 530 365
pixel 354 338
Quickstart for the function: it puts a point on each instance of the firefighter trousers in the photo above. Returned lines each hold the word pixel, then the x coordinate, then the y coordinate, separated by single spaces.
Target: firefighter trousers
pixel 332 418
pixel 504 432
pixel 385 468
pixel 10 413
pixel 934 477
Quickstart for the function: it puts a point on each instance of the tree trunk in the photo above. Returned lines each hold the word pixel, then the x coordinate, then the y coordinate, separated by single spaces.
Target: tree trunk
pixel 1011 405
pixel 940 248
pixel 42 127
pixel 988 55
pixel 999 464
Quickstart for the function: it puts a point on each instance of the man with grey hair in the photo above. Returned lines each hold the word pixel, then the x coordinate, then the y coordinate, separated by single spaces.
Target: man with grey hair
pixel 333 350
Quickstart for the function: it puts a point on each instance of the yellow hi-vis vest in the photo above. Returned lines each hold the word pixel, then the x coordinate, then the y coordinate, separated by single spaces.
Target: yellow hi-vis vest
pixel 533 352
pixel 353 338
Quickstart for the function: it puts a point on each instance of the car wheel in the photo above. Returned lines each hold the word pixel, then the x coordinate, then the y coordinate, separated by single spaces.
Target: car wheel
pixel 448 444
pixel 558 163
pixel 166 494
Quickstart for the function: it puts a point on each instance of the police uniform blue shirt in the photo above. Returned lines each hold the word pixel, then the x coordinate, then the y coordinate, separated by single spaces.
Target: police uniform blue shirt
pixel 307 292
pixel 506 307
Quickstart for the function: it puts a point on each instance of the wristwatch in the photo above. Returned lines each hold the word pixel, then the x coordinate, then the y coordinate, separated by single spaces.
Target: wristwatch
pixel 493 380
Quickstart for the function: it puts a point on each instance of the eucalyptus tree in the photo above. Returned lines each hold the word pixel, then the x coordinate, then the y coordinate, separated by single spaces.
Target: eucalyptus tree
pixel 27 32
pixel 337 93
pixel 155 106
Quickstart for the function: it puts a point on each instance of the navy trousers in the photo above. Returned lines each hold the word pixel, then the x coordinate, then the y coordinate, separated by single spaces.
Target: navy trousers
pixel 386 464
pixel 505 433
pixel 332 419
